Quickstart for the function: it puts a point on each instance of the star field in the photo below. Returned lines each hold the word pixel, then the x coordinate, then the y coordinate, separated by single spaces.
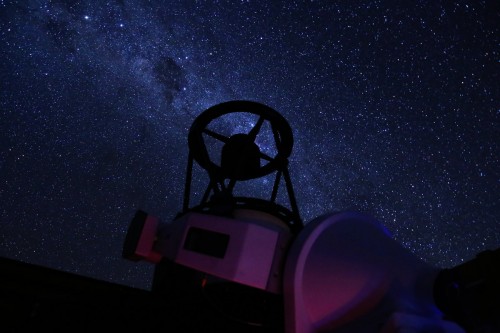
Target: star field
pixel 394 109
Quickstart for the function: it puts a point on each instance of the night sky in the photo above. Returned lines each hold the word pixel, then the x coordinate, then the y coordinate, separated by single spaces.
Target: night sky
pixel 394 107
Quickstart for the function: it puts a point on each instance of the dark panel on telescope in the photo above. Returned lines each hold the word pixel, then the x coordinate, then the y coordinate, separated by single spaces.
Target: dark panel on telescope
pixel 206 242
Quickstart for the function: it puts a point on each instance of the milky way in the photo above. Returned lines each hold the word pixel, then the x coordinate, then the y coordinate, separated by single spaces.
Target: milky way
pixel 394 109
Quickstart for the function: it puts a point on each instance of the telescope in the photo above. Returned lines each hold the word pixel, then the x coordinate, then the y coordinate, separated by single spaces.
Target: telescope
pixel 240 263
